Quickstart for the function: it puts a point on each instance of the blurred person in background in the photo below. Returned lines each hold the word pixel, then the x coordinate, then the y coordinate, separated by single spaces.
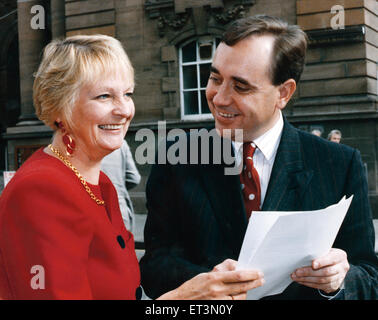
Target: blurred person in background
pixel 120 167
pixel 334 136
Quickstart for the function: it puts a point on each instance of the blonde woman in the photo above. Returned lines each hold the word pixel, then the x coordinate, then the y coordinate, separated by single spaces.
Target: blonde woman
pixel 61 231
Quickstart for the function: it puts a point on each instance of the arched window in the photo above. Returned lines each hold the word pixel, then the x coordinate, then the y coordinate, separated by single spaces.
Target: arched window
pixel 195 60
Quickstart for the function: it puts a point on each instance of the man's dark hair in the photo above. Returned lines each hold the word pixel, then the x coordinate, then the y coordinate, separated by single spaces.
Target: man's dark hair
pixel 289 50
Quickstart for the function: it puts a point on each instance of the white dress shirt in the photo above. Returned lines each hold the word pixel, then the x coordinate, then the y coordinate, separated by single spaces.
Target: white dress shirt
pixel 263 158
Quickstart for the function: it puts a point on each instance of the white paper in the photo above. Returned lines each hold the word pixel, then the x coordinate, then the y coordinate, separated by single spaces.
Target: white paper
pixel 277 243
pixel 8 175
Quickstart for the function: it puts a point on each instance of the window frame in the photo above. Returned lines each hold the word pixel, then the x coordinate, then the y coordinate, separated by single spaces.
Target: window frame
pixel 199 116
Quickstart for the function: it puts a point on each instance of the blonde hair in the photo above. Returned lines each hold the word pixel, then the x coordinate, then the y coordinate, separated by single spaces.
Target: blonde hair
pixel 67 65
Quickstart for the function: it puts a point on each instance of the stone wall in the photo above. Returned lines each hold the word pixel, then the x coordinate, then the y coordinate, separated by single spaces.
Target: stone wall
pixel 338 89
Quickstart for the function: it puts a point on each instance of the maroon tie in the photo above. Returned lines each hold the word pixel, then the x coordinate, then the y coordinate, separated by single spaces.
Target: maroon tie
pixel 250 181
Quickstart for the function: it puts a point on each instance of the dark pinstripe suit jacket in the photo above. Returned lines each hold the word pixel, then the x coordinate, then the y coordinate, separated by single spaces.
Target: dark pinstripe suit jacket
pixel 196 216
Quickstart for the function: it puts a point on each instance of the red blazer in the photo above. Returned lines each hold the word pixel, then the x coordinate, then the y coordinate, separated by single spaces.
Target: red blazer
pixel 47 219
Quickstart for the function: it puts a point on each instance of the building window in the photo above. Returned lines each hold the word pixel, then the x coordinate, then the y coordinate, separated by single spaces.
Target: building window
pixel 195 61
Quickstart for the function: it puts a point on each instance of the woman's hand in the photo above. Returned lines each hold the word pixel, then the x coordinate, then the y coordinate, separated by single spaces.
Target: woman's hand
pixel 222 283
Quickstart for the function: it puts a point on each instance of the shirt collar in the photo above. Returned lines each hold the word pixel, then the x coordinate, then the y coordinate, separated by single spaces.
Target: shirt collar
pixel 268 142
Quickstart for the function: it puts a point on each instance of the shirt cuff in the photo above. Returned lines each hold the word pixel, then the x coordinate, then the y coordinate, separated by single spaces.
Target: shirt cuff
pixel 334 295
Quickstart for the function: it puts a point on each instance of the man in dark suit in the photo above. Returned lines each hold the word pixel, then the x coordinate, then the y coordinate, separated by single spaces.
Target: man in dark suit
pixel 197 214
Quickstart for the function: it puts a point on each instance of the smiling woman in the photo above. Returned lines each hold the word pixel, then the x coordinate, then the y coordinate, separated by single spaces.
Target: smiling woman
pixel 70 64
pixel 60 212
pixel 82 86
pixel 101 116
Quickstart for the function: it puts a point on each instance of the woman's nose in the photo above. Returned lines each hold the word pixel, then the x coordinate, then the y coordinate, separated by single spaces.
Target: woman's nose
pixel 125 108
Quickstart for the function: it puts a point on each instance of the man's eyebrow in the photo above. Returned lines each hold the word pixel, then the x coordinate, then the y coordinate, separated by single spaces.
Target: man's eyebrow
pixel 235 78
pixel 245 82
pixel 213 69
pixel 242 81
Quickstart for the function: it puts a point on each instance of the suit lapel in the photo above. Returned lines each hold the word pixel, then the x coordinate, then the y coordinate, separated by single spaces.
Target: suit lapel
pixel 224 194
pixel 289 179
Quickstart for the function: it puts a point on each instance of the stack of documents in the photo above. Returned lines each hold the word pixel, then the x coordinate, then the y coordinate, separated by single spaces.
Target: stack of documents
pixel 277 243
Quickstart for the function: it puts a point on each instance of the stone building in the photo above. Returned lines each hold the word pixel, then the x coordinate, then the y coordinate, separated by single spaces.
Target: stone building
pixel 171 44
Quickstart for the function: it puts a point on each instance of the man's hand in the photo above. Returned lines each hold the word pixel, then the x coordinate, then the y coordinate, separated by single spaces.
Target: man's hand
pixel 326 273
pixel 222 283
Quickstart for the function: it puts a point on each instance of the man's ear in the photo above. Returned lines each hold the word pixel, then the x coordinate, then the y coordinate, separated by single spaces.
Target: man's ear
pixel 286 91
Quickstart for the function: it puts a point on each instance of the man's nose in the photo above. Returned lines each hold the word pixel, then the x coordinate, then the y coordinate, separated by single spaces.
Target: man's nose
pixel 222 96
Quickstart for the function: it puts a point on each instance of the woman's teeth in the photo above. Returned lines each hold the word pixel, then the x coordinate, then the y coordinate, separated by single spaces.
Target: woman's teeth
pixel 110 126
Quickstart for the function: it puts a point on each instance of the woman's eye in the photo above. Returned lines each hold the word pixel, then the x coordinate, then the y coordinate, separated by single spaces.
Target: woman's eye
pixel 103 96
pixel 129 94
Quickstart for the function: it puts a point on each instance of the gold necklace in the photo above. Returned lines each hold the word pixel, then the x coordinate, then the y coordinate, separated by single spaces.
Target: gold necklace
pixel 82 180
